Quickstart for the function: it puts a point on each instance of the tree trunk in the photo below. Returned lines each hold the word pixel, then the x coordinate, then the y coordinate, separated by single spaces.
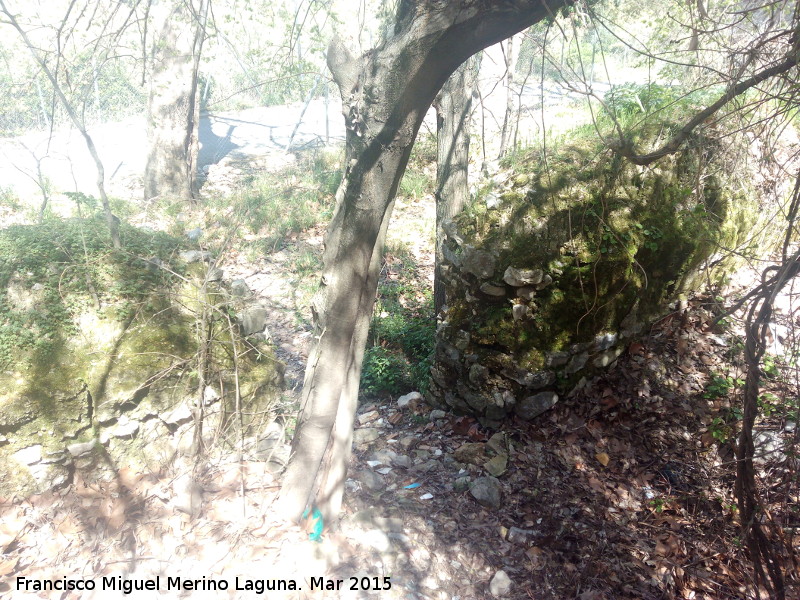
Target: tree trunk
pixel 385 95
pixel 509 119
pixel 173 106
pixel 453 119
pixel 330 497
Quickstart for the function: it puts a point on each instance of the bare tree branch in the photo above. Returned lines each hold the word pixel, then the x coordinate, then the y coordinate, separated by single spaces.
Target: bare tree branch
pixel 625 148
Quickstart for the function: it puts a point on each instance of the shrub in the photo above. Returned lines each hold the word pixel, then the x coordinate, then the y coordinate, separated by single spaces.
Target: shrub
pixel 384 371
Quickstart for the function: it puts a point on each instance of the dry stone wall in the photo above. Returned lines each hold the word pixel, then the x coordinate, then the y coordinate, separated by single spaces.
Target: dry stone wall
pixel 550 273
pixel 122 390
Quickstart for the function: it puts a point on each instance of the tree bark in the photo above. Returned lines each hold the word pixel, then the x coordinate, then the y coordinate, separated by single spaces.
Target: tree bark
pixel 385 95
pixel 173 105
pixel 508 132
pixel 453 118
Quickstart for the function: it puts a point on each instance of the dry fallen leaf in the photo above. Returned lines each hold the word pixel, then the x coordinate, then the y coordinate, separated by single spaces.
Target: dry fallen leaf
pixel 682 347
pixel 536 556
pixel 8 566
pixel 668 546
pixel 609 401
pixel 596 484
pixel 602 458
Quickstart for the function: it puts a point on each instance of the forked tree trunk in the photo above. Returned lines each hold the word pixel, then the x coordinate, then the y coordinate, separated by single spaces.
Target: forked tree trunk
pixel 386 93
pixel 453 120
pixel 173 106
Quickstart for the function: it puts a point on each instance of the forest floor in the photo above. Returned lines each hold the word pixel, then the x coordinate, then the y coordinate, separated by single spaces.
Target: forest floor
pixel 623 490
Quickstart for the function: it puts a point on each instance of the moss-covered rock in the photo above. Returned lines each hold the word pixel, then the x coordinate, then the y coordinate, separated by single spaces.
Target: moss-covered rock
pixel 586 248
pixel 99 354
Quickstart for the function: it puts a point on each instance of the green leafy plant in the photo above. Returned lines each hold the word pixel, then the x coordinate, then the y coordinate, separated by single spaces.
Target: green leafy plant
pixel 402 329
pixel 383 370
pixel 768 404
pixel 720 386
pixel 770 368
pixel 658 504
pixel 720 430
pixel 652 236
pixel 415 184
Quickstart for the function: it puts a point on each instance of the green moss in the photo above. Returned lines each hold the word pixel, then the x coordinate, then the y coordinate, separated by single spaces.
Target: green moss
pixel 513 197
pixel 67 366
pixel 532 360
pixel 611 235
pixel 52 272
pixel 458 312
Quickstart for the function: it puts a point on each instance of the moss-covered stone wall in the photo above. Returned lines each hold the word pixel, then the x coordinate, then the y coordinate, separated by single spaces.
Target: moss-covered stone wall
pixel 99 354
pixel 558 262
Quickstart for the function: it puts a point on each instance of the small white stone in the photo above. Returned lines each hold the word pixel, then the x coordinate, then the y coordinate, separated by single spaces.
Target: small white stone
pixel 30 455
pixel 520 311
pixel 80 448
pixel 405 400
pixel 500 585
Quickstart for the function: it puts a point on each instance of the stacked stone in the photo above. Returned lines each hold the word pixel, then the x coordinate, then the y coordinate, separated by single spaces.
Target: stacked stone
pixel 487 380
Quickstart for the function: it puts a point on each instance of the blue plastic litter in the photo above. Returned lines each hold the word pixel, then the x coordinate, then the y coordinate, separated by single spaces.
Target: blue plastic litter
pixel 412 486
pixel 315 524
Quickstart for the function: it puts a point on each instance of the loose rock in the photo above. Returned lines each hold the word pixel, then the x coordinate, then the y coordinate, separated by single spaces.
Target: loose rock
pixel 372 481
pixel 365 436
pixel 193 256
pixel 179 415
pixel 437 414
pixel 405 400
pixel 497 465
pixel 126 430
pixel 254 320
pixel 533 406
pixel 402 461
pixel 30 455
pixel 520 311
pixel 80 448
pixel 493 290
pixel 472 453
pixel 368 417
pixel 522 277
pixel 500 585
pixel 486 490
pixel 577 363
pixel 478 262
pixel 239 288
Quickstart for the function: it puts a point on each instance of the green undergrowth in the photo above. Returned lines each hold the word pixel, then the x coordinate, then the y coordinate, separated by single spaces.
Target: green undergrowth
pixel 401 339
pixel 638 107
pixel 399 351
pixel 274 207
pixel 50 272
pixel 418 179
